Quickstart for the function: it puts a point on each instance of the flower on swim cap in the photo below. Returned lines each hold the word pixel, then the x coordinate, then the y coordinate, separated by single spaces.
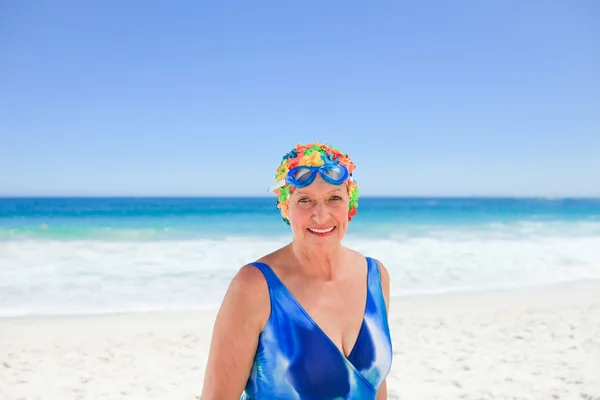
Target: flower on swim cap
pixel 313 155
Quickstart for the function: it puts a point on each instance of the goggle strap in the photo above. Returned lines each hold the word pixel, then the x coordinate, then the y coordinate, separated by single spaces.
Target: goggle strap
pixel 278 185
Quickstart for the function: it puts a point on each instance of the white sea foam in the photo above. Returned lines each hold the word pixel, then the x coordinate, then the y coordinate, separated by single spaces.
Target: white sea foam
pixel 72 277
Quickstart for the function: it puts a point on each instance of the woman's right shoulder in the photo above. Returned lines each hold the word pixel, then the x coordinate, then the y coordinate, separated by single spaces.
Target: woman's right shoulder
pixel 249 282
pixel 248 293
pixel 250 279
pixel 242 316
pixel 250 274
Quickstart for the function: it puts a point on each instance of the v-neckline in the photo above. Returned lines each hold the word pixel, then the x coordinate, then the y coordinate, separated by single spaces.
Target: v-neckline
pixel 312 321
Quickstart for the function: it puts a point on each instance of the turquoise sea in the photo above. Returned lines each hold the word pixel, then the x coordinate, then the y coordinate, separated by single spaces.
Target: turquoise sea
pixel 105 255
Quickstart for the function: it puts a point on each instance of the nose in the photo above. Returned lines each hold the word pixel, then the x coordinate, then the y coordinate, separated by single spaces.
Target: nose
pixel 320 213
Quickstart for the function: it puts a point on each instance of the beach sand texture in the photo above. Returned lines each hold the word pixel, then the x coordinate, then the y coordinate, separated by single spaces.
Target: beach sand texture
pixel 536 344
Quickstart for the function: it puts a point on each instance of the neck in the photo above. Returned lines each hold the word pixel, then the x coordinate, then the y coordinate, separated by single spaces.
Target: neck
pixel 321 265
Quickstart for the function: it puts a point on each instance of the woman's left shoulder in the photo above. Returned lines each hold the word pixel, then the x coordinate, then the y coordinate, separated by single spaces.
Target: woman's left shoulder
pixel 360 257
pixel 383 272
pixel 384 275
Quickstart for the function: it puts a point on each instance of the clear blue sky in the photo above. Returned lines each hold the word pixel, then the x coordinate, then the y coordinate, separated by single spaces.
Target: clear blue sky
pixel 204 97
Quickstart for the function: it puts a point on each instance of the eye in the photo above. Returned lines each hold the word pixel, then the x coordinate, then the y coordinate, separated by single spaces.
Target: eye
pixel 303 200
pixel 336 198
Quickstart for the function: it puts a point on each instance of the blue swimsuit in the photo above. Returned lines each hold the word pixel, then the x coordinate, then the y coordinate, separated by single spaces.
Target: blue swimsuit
pixel 296 360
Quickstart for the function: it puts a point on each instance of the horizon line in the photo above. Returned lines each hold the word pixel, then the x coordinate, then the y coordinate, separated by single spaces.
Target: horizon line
pixel 167 196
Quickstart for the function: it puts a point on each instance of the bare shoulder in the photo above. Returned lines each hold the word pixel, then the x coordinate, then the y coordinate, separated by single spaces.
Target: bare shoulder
pixel 383 272
pixel 243 314
pixel 246 305
pixel 385 282
pixel 360 258
pixel 248 290
pixel 385 275
pixel 356 257
pixel 248 277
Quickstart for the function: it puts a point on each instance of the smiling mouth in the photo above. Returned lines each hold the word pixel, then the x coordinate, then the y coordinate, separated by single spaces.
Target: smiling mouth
pixel 321 231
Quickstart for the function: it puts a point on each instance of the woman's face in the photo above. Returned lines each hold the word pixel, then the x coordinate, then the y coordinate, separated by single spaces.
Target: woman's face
pixel 318 214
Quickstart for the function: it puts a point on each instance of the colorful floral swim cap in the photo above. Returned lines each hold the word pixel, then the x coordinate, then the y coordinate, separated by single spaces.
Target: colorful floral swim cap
pixel 313 155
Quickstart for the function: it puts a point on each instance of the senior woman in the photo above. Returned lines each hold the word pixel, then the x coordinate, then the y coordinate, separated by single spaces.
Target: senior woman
pixel 309 320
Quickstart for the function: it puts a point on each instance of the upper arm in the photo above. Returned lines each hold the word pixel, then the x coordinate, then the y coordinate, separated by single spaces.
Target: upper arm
pixel 382 393
pixel 385 284
pixel 243 313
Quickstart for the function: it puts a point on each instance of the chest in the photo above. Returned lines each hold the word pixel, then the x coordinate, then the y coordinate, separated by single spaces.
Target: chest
pixel 337 309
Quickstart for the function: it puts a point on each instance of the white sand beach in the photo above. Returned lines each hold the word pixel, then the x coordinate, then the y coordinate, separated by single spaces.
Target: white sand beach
pixel 535 344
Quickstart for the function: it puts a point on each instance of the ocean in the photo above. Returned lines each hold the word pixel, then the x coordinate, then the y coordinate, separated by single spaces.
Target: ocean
pixel 81 256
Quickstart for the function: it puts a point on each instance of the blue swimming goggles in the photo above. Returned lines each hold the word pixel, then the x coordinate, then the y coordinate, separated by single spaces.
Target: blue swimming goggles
pixel 303 176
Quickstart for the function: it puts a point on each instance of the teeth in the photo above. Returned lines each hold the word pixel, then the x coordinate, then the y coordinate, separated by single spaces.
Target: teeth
pixel 321 230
